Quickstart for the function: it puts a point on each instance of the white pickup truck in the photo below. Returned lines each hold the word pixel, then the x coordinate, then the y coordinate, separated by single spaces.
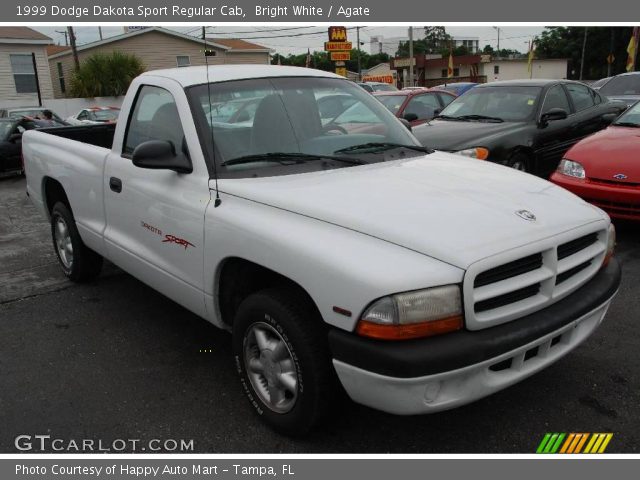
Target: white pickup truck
pixel 289 207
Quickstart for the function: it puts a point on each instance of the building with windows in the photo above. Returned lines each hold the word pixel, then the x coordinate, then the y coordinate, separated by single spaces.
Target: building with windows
pixel 157 48
pixel 24 72
pixel 389 45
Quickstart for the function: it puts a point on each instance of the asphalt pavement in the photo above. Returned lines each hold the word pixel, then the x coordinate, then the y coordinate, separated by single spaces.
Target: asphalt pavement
pixel 115 360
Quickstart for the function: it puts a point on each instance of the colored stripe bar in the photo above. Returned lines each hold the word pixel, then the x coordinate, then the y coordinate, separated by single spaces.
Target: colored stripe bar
pixel 567 442
pixel 556 446
pixel 607 439
pixel 543 443
pixel 551 443
pixel 581 443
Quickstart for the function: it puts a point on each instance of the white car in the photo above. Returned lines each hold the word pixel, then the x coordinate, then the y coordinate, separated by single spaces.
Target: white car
pixel 94 116
pixel 418 280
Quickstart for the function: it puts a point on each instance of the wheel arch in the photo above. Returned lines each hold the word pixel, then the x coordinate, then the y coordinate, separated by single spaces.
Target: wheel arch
pixel 53 192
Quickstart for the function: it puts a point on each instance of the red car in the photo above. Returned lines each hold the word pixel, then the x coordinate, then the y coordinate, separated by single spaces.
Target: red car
pixel 415 106
pixel 604 169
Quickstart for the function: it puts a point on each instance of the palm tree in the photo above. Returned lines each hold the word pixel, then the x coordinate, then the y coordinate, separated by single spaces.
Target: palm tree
pixel 105 75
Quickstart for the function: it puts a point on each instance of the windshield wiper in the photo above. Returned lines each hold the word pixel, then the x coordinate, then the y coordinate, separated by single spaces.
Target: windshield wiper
pixel 480 117
pixel 285 158
pixel 381 146
pixel 627 124
pixel 446 117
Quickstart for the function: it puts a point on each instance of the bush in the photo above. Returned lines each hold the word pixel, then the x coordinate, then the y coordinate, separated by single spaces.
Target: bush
pixel 105 75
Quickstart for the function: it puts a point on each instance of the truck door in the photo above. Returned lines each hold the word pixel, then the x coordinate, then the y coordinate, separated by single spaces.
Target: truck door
pixel 155 218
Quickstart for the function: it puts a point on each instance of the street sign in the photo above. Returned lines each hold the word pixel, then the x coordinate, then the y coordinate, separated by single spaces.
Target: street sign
pixel 341 71
pixel 340 56
pixel 337 46
pixel 337 34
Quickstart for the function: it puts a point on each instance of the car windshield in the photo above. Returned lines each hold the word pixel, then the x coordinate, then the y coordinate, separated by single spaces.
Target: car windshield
pixel 506 103
pixel 106 115
pixel 383 87
pixel 314 118
pixel 34 113
pixel 392 102
pixel 622 85
pixel 629 118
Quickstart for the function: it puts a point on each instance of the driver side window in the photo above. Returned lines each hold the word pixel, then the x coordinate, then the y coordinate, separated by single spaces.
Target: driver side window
pixel 155 117
pixel 556 98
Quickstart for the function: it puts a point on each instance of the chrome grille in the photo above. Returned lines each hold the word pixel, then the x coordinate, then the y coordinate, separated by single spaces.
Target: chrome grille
pixel 520 282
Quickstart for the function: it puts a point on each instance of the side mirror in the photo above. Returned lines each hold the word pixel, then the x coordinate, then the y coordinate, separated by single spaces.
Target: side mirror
pixel 553 114
pixel 406 123
pixel 410 117
pixel 607 118
pixel 436 112
pixel 160 155
pixel 15 137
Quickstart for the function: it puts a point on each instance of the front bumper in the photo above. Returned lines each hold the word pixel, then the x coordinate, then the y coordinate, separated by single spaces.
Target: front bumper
pixel 439 373
pixel 618 200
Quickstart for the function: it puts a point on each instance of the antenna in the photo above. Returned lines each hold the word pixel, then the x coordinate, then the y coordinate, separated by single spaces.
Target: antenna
pixel 218 201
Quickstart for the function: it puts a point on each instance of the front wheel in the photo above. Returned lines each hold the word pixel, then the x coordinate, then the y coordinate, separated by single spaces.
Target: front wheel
pixel 282 357
pixel 520 162
pixel 78 262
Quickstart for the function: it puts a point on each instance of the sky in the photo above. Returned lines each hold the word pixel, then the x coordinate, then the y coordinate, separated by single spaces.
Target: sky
pixel 294 40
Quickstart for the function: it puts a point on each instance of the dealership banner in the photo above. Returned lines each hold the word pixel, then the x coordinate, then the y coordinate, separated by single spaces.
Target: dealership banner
pixel 312 469
pixel 319 11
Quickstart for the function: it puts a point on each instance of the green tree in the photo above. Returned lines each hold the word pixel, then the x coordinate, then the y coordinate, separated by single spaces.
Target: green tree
pixel 566 42
pixel 105 75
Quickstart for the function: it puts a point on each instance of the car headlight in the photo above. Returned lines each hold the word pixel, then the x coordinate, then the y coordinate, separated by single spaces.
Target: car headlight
pixel 420 313
pixel 611 245
pixel 480 153
pixel 571 168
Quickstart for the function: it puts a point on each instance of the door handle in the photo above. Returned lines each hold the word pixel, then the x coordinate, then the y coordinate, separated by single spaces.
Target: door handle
pixel 115 184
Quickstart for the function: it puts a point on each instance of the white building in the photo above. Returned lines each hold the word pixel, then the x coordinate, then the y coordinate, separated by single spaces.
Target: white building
pixel 382 44
pixel 516 69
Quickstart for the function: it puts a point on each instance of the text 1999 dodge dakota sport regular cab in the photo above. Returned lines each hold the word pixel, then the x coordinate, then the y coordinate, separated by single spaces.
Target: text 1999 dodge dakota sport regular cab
pixel 339 252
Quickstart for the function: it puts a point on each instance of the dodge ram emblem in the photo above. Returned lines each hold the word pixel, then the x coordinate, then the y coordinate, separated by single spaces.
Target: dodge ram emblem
pixel 527 215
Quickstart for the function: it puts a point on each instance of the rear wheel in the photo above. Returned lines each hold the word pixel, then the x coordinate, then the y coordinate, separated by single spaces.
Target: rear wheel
pixel 282 356
pixel 78 262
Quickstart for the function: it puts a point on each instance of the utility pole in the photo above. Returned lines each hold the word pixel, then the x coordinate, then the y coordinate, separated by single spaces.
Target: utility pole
pixel 66 37
pixel 359 64
pixel 498 29
pixel 100 32
pixel 74 50
pixel 584 47
pixel 411 56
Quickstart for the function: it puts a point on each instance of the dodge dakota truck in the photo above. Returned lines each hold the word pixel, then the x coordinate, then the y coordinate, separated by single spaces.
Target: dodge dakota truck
pixel 340 254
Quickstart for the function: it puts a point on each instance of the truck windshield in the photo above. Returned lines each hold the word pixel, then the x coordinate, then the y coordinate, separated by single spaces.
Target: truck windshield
pixel 258 125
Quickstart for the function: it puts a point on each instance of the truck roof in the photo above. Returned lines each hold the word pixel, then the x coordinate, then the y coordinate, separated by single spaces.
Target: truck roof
pixel 188 76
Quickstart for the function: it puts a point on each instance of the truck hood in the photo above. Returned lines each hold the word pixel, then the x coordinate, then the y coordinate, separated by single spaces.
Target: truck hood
pixel 448 207
pixel 451 135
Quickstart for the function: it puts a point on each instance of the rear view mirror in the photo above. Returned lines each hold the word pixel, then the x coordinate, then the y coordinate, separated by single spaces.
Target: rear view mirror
pixel 410 117
pixel 553 114
pixel 160 155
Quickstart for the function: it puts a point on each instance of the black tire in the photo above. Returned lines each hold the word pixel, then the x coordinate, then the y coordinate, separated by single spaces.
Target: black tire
pixel 85 264
pixel 301 329
pixel 520 161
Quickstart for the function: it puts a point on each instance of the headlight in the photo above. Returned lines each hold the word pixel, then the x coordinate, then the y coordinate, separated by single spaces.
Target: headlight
pixel 421 313
pixel 611 245
pixel 571 169
pixel 480 153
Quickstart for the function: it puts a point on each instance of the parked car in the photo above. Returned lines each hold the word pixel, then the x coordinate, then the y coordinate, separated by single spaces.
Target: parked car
pixel 624 87
pixel 377 87
pixel 417 280
pixel 415 106
pixel 11 130
pixel 524 124
pixel 599 83
pixel 94 116
pixel 604 169
pixel 414 88
pixel 32 112
pixel 457 88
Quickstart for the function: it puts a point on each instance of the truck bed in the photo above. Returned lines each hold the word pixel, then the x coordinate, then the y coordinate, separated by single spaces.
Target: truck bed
pixel 98 135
